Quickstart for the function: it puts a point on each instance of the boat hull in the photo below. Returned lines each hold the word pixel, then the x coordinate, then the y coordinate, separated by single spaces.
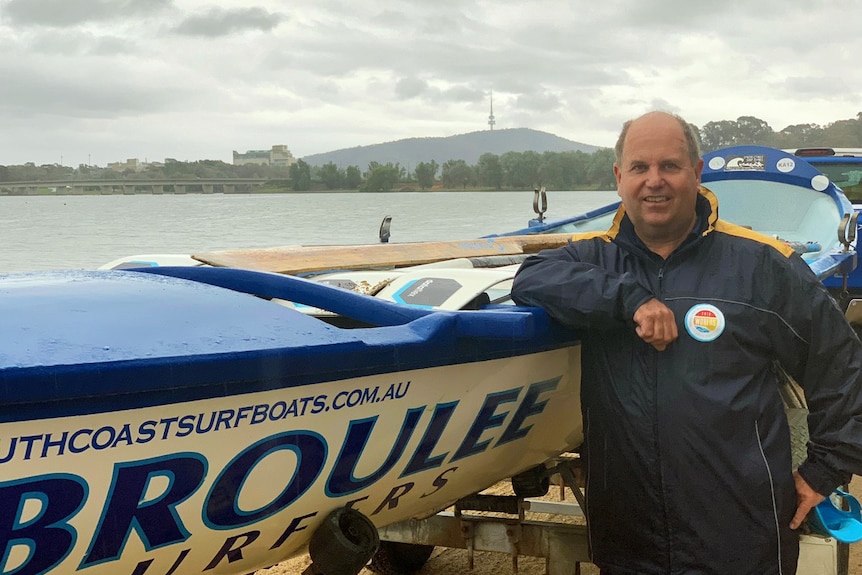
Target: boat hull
pixel 102 471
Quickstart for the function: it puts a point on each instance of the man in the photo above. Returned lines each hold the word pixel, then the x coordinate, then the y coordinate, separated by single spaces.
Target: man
pixel 684 317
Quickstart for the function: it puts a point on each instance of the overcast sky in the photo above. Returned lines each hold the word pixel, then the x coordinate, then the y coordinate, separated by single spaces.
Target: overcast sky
pixel 105 80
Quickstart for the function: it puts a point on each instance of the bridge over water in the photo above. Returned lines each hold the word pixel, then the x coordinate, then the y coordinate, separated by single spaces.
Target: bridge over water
pixel 130 187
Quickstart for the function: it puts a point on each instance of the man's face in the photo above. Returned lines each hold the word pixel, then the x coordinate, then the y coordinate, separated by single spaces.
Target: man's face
pixel 656 180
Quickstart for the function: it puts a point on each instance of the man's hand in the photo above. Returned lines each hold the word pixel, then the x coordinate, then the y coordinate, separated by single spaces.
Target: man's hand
pixel 655 324
pixel 806 500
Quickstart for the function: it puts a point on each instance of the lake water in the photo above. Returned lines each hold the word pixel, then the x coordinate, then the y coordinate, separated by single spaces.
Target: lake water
pixel 53 232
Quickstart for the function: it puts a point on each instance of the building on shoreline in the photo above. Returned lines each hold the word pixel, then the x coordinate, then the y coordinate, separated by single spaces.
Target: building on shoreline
pixel 279 156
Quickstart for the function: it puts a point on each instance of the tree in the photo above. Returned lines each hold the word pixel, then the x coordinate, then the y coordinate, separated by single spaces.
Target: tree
pixel 843 133
pixel 425 173
pixel 521 170
pixel 489 172
pixel 799 135
pixel 300 176
pixel 331 176
pixel 456 173
pixel 564 170
pixel 382 178
pixel 753 130
pixel 600 171
pixel 352 178
pixel 715 135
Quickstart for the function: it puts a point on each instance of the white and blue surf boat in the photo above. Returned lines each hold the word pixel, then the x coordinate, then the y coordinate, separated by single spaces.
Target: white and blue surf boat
pixel 183 421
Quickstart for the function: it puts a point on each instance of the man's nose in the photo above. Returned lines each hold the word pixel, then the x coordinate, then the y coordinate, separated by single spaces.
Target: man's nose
pixel 654 177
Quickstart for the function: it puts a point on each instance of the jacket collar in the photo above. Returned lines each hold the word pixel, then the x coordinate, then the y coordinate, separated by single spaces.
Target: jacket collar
pixel 707 216
pixel 706 207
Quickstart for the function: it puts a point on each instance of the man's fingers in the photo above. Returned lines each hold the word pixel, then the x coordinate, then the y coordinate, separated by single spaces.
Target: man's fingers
pixel 799 518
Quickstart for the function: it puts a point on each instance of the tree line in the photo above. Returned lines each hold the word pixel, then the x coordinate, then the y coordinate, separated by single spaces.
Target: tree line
pixel 512 170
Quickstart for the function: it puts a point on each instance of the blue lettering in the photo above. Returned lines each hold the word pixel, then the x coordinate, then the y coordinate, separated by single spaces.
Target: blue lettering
pixel 131 508
pixel 422 458
pixel 199 428
pixel 11 453
pixel 75 449
pixel 125 436
pixel 224 417
pixel 47 535
pixel 167 423
pixel 486 419
pixel 232 553
pixel 29 439
pixel 305 401
pixel 369 395
pixel 242 413
pixel 341 480
pixel 146 432
pixel 282 406
pixel 259 415
pixel 319 404
pixel 391 500
pixel 60 443
pixel 293 409
pixel 292 528
pixel 440 481
pixel 399 393
pixel 221 508
pixel 186 425
pixel 102 431
pixel 529 407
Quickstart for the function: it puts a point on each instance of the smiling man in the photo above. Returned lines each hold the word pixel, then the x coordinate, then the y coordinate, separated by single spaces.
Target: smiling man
pixel 684 318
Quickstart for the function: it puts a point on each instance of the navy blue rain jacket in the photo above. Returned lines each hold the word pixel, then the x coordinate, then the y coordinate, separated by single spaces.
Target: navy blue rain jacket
pixel 688 449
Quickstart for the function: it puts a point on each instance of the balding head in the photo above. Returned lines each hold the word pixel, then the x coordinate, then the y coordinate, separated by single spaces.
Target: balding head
pixel 687 132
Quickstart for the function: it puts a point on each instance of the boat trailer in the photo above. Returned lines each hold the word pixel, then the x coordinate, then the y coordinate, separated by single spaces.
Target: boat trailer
pixel 501 524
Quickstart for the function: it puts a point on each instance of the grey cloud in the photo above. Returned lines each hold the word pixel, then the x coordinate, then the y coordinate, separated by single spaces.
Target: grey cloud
pixel 464 94
pixel 65 13
pixel 410 88
pixel 540 102
pixel 813 86
pixel 53 93
pixel 217 22
pixel 74 43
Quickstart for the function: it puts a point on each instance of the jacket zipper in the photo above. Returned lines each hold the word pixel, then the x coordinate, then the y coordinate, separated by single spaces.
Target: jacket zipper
pixel 655 355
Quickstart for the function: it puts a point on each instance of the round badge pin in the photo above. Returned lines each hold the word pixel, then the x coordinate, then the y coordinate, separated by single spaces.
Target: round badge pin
pixel 704 322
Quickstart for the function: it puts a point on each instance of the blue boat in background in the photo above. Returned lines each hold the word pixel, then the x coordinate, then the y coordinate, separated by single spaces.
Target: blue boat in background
pixel 772 192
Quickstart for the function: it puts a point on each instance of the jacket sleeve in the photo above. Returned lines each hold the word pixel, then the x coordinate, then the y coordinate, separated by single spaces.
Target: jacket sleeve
pixel 575 293
pixel 825 357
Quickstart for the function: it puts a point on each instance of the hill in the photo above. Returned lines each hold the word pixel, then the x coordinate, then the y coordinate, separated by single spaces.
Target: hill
pixel 468 147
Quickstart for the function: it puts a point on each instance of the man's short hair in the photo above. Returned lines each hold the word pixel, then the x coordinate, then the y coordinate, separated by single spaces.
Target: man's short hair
pixel 691 139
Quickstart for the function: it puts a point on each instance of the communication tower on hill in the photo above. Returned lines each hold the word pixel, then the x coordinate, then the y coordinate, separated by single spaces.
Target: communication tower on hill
pixel 491 120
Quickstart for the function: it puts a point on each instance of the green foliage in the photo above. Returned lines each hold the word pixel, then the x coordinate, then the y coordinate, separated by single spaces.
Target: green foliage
pixel 489 171
pixel 751 130
pixel 352 178
pixel 425 173
pixel 511 170
pixel 457 174
pixel 382 178
pixel 300 176
pixel 331 176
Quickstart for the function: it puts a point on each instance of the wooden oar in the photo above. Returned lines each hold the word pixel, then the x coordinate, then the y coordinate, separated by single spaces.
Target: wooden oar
pixel 301 259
